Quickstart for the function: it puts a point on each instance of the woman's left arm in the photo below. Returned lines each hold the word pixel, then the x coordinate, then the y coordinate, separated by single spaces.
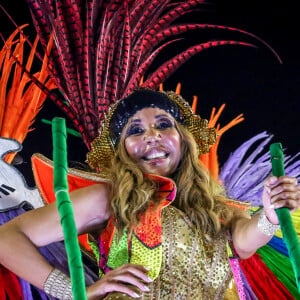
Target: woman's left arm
pixel 247 233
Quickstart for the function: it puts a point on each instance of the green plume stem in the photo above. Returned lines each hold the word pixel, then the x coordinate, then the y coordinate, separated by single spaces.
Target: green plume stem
pixel 289 234
pixel 65 208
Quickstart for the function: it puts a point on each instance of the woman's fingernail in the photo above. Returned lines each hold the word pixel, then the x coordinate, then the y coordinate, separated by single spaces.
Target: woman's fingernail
pixel 149 279
pixel 272 206
pixel 135 295
pixel 146 289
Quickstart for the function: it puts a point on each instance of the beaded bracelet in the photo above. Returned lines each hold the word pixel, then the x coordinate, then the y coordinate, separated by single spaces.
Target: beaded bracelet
pixel 265 226
pixel 58 285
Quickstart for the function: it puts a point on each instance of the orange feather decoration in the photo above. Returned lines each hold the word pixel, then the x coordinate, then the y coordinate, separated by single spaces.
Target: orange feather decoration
pixel 20 98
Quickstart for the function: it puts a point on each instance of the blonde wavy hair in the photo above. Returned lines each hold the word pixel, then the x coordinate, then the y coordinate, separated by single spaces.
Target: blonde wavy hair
pixel 199 196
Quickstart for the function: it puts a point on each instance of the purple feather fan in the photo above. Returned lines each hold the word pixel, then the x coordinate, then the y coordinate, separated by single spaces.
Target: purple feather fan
pixel 245 170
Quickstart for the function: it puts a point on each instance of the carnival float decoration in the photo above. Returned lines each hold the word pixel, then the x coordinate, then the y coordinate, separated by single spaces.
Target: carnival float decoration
pixel 96 53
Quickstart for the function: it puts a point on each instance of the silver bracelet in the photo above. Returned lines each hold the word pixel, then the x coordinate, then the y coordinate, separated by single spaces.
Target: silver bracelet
pixel 58 285
pixel 265 226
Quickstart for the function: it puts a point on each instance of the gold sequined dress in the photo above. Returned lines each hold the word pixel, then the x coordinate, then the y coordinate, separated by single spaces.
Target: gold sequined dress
pixel 192 268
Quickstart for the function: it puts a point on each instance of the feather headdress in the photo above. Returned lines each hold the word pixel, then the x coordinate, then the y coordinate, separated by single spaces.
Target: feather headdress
pixel 103 49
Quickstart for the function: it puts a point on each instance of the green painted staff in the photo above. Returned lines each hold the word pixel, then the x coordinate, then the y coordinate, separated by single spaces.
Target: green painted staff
pixel 65 208
pixel 289 234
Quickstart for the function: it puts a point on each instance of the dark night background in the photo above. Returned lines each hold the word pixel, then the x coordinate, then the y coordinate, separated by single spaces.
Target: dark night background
pixel 248 80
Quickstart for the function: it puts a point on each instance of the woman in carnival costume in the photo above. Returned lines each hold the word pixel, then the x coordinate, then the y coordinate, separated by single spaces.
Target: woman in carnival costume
pixel 160 222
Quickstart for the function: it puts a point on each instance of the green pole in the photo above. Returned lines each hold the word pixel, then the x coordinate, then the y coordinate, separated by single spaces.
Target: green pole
pixel 289 234
pixel 65 208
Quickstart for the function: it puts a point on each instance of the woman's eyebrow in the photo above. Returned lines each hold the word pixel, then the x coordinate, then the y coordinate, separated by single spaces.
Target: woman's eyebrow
pixel 135 121
pixel 162 115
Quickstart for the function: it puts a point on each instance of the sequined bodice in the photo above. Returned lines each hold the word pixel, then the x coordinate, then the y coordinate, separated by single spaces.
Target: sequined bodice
pixel 192 268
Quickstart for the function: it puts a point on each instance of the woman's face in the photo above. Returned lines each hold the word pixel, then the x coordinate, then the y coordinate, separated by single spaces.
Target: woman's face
pixel 153 142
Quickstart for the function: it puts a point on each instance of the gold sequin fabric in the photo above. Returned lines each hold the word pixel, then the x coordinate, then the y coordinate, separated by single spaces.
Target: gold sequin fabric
pixel 192 268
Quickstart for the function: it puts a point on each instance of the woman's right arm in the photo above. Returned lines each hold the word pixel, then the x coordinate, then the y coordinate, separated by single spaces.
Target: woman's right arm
pixel 20 237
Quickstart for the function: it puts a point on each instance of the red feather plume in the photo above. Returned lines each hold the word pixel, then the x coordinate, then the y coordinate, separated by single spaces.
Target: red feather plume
pixel 104 48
